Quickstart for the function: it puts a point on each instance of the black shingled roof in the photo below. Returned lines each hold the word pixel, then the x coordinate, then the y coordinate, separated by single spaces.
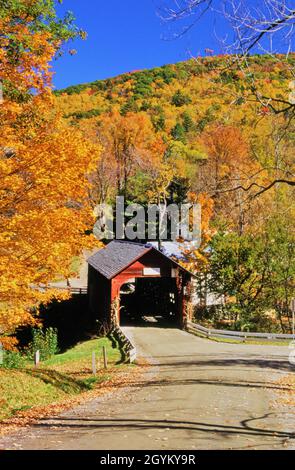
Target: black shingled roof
pixel 117 255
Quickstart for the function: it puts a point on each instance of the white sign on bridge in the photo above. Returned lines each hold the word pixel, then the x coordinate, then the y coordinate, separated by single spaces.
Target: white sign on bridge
pixel 151 271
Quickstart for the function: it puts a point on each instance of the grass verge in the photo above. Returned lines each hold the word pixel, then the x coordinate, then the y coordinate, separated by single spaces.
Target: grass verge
pixel 58 379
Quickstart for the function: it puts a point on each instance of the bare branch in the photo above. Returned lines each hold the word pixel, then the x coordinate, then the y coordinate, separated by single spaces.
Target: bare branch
pixel 262 189
pixel 251 22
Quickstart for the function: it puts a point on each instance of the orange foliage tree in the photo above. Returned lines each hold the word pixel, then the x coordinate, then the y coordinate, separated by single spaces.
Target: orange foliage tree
pixel 44 213
pixel 230 165
pixel 129 143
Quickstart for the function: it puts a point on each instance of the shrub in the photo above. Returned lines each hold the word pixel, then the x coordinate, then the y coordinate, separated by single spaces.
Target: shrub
pixel 44 341
pixel 12 360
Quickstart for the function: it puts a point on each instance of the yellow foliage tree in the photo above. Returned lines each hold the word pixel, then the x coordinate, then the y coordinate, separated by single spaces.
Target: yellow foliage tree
pixel 196 257
pixel 129 143
pixel 44 210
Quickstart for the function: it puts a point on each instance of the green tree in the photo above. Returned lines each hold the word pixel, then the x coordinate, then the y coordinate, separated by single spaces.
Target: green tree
pixel 187 122
pixel 255 274
pixel 237 273
pixel 178 132
pixel 179 99
pixel 279 255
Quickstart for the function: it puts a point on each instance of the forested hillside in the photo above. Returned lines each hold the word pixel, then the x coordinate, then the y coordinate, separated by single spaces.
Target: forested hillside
pixel 205 130
pixel 186 108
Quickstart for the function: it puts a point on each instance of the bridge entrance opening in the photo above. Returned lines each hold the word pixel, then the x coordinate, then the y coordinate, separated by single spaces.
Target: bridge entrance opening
pixel 150 302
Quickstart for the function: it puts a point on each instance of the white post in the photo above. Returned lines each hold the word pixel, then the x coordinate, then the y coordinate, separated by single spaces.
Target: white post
pixel 37 358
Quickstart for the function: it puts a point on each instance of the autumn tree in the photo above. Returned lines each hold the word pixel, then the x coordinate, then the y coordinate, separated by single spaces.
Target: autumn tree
pixel 43 165
pixel 229 164
pixel 129 144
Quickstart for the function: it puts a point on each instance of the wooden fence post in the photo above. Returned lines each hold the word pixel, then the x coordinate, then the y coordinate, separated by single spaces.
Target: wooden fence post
pixel 93 363
pixel 105 359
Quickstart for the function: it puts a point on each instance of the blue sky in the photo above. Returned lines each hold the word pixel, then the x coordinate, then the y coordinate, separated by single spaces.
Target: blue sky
pixel 126 35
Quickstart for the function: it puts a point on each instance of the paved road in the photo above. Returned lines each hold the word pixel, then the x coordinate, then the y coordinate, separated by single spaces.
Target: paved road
pixel 198 395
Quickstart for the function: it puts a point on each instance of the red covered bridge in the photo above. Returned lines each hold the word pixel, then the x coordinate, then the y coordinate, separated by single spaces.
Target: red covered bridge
pixel 130 282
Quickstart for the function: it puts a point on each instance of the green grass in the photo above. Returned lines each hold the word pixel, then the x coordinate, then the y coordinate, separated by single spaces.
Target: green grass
pixel 23 389
pixel 83 353
pixel 57 379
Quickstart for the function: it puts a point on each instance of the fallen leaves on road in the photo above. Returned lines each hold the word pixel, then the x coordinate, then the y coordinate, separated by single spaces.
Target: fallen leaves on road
pixel 287 390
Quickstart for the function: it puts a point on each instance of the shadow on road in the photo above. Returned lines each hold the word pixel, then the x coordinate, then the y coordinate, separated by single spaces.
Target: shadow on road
pixel 281 363
pixel 216 382
pixel 117 424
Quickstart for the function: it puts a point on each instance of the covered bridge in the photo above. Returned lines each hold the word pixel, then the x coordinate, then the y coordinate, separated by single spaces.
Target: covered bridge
pixel 130 282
